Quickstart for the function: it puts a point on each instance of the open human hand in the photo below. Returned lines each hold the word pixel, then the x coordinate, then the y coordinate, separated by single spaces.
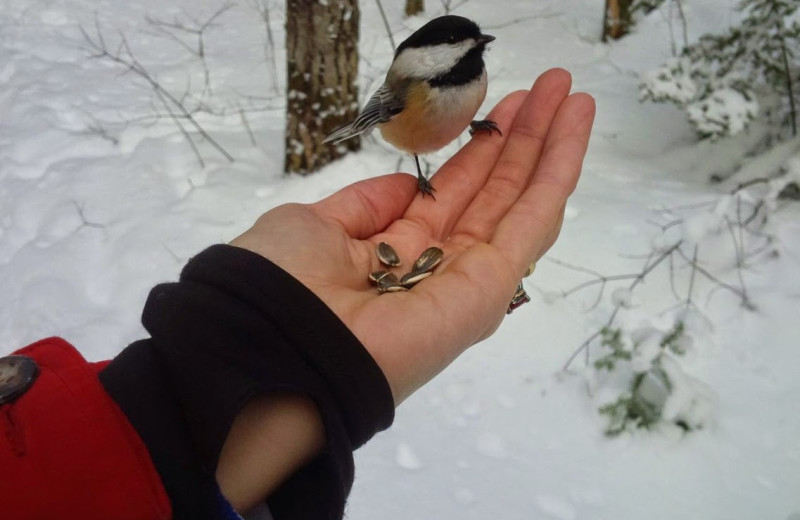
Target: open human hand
pixel 500 204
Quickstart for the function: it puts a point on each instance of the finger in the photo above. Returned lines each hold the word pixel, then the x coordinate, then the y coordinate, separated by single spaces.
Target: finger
pixel 369 206
pixel 514 169
pixel 461 177
pixel 523 233
pixel 553 236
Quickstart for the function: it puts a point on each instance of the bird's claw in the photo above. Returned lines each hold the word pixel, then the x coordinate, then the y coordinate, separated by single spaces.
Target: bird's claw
pixel 425 187
pixel 486 125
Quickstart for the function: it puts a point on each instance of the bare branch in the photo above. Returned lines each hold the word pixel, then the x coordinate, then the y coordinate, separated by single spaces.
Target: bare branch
pixel 691 278
pixel 126 58
pixel 752 182
pixel 637 279
pixel 386 25
pixel 246 123
pixel 182 129
pixel 263 9
pixel 198 30
pixel 448 6
pixel 84 221
pixel 523 19
pixel 735 290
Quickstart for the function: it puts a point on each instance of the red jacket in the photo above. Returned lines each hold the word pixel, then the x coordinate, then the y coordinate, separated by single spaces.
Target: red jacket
pixel 68 452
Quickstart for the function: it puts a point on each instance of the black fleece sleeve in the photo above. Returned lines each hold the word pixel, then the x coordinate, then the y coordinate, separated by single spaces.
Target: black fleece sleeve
pixel 236 326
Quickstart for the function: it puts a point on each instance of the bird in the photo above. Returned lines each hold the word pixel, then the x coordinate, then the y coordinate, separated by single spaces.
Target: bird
pixel 434 87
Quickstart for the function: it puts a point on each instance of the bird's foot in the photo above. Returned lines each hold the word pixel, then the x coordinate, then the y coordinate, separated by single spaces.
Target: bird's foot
pixel 486 125
pixel 425 187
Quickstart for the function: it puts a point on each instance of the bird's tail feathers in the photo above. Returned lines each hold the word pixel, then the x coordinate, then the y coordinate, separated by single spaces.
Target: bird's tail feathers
pixel 342 134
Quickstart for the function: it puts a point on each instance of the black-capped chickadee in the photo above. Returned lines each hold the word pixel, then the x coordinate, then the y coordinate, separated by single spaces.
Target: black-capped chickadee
pixel 433 89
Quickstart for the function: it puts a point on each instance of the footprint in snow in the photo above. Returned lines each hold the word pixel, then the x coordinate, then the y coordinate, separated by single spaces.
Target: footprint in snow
pixel 406 458
pixel 557 508
pixel 492 445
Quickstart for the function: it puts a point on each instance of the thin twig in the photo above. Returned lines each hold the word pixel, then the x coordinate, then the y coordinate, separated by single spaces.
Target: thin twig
pixel 182 129
pixel 752 182
pixel 523 19
pixel 787 71
pixel 637 280
pixel 600 280
pixel 682 16
pixel 199 32
pixel 133 65
pixel 386 25
pixel 664 227
pixel 84 221
pixel 672 285
pixel 247 127
pixel 691 278
pixel 735 290
pixel 263 8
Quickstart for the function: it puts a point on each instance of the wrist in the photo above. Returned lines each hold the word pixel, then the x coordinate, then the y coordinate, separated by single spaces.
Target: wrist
pixel 273 437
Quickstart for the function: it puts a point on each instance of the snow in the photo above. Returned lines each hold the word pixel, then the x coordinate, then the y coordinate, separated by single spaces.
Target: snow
pixel 96 208
pixel 407 458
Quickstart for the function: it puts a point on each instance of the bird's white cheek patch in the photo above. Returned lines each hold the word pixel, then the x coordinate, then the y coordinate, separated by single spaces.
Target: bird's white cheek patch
pixel 432 61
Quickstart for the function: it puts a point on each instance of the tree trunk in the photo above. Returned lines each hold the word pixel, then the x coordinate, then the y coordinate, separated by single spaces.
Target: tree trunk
pixel 322 94
pixel 617 19
pixel 414 7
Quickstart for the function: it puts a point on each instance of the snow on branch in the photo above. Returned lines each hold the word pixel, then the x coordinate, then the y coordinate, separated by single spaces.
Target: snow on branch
pixel 726 81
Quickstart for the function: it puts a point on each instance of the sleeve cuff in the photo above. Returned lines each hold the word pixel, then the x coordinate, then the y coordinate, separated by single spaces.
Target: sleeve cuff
pixel 236 326
pixel 329 348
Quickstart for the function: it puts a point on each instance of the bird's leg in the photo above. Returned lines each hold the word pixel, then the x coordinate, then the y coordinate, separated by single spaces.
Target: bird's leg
pixel 486 125
pixel 423 183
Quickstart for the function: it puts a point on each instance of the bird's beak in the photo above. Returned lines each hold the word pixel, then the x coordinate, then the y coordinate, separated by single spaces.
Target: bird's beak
pixel 486 38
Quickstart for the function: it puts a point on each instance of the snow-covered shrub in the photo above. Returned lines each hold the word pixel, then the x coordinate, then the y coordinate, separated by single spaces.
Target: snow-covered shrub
pixel 637 363
pixel 657 389
pixel 724 112
pixel 725 81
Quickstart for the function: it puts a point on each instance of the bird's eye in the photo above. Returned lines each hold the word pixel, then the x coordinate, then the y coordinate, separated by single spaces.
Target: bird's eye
pixel 451 39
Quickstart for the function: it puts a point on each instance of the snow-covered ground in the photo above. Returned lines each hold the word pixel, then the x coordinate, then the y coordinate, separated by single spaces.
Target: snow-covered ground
pixel 96 207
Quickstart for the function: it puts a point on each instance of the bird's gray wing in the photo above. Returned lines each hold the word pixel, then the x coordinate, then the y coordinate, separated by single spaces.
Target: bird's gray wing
pixel 381 107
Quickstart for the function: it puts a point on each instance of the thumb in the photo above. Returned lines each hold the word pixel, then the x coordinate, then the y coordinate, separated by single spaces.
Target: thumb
pixel 369 206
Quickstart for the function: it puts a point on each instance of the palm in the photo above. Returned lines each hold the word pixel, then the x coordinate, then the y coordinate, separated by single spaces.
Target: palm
pixel 499 206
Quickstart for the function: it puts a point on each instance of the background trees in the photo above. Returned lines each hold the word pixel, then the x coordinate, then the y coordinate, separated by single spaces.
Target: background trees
pixel 321 91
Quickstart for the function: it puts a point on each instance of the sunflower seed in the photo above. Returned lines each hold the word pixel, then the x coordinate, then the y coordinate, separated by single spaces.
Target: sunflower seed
pixel 386 285
pixel 377 276
pixel 428 260
pixel 387 255
pixel 411 279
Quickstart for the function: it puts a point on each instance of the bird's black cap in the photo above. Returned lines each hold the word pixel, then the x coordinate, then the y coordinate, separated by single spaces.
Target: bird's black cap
pixel 444 29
